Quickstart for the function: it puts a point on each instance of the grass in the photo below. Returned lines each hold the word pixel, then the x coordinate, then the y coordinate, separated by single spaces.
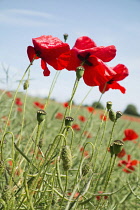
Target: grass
pixel 49 166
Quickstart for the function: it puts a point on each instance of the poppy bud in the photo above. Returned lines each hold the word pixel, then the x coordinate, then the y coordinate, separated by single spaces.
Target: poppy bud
pixel 65 37
pixel 109 105
pixel 66 158
pixel 79 72
pixel 26 85
pixel 118 114
pixel 41 115
pixel 117 146
pixel 85 169
pixel 112 115
pixel 68 121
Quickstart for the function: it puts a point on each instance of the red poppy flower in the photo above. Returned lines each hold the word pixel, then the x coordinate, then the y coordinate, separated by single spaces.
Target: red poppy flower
pixel 99 197
pixel 18 102
pixel 19 109
pixel 59 116
pixel 130 135
pixel 121 72
pixel 128 164
pixel 48 48
pixel 66 104
pixel 9 94
pixel 4 119
pixel 87 134
pixel 121 154
pixel 39 105
pixel 76 127
pixel 82 118
pixel 102 117
pixel 90 108
pixel 86 53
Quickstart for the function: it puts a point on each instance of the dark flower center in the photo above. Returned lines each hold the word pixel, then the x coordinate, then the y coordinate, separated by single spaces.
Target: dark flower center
pixel 110 81
pixel 38 53
pixel 85 59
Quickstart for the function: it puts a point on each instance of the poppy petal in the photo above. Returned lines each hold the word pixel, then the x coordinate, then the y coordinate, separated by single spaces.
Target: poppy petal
pixel 46 71
pixel 84 42
pixel 31 53
pixel 106 54
pixel 97 74
pixel 122 72
pixel 49 47
pixel 134 162
pixel 114 85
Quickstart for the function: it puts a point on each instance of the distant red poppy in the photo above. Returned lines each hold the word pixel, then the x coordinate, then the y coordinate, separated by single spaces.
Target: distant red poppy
pixel 9 94
pixel 39 105
pixel 122 153
pixel 130 135
pixel 82 118
pixel 87 134
pixel 10 162
pixel 18 102
pixel 19 109
pixel 128 164
pixel 121 72
pixel 85 152
pixel 75 195
pixel 59 116
pixel 90 108
pixel 48 48
pixel 99 197
pixel 66 104
pixel 76 127
pixel 86 53
pixel 4 119
pixel 103 117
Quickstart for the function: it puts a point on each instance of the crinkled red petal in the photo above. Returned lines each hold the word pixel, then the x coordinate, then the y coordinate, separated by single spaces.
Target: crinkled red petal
pixel 50 47
pixel 84 42
pixel 122 72
pixel 97 74
pixel 106 54
pixel 31 53
pixel 114 85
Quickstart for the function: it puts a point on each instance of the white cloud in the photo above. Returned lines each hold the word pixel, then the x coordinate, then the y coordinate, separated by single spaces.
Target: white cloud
pixel 25 17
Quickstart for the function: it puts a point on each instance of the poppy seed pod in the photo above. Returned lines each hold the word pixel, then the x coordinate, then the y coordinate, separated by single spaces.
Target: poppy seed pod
pixel 109 105
pixel 65 37
pixel 26 85
pixel 118 114
pixel 112 115
pixel 68 121
pixel 85 169
pixel 66 158
pixel 117 146
pixel 79 72
pixel 41 115
pixel 111 150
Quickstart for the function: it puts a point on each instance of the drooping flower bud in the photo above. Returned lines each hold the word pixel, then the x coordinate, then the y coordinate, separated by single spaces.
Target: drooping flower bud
pixel 109 105
pixel 26 85
pixel 85 169
pixel 118 114
pixel 112 115
pixel 68 121
pixel 65 37
pixel 117 146
pixel 41 115
pixel 66 158
pixel 79 72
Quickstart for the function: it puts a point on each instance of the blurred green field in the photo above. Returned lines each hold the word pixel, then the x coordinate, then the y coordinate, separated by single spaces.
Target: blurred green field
pixel 23 124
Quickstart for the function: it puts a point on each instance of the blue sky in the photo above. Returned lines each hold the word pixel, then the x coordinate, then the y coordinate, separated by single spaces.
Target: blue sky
pixel 106 22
